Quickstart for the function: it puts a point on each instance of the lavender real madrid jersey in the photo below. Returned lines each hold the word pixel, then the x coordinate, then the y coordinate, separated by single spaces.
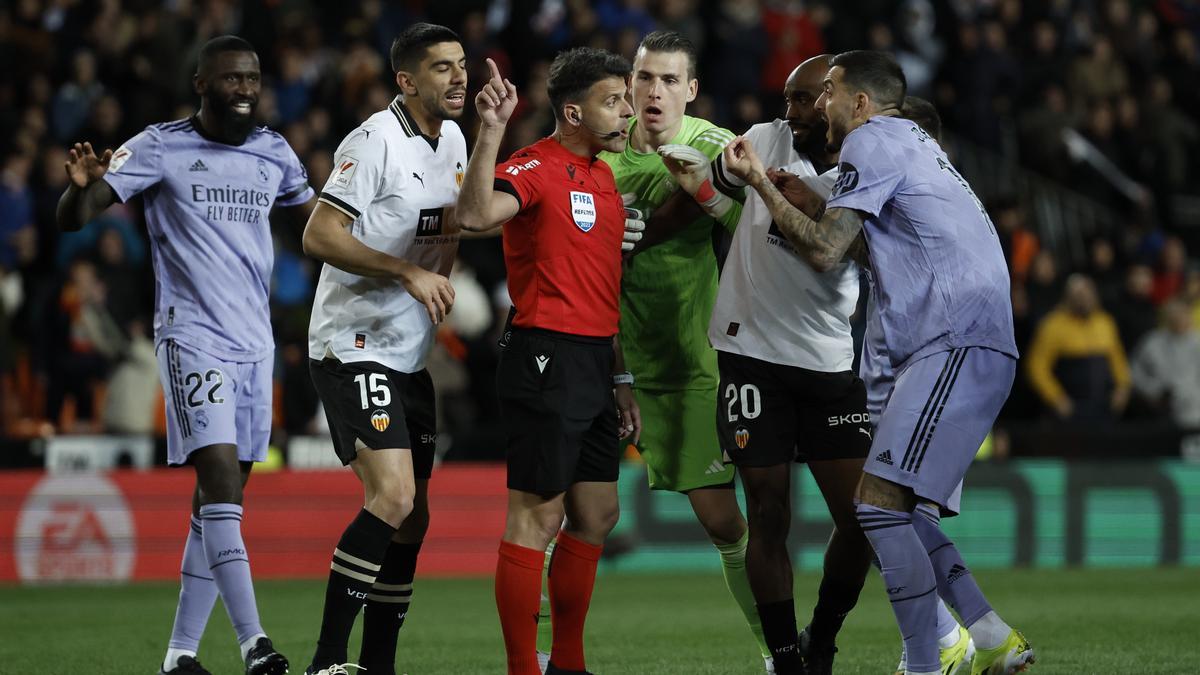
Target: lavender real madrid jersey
pixel 207 205
pixel 941 281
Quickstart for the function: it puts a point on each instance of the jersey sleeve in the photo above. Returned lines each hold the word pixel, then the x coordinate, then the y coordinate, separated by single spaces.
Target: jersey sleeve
pixel 868 175
pixel 136 166
pixel 358 172
pixel 521 177
pixel 761 139
pixel 712 141
pixel 294 188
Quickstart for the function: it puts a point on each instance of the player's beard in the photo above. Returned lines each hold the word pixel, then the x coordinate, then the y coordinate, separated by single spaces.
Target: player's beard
pixel 836 136
pixel 234 127
pixel 437 107
pixel 814 142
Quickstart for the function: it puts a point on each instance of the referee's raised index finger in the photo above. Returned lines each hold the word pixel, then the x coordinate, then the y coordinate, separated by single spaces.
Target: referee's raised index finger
pixel 494 70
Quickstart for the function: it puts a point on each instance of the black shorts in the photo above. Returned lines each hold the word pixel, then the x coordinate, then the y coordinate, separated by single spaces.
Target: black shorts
pixel 559 414
pixel 384 408
pixel 770 414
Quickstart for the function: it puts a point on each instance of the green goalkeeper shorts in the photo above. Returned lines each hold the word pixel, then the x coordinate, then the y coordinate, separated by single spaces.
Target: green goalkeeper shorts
pixel 679 440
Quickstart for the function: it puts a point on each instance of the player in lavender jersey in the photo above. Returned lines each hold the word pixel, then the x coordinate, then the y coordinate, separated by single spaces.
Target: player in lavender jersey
pixel 209 183
pixel 942 299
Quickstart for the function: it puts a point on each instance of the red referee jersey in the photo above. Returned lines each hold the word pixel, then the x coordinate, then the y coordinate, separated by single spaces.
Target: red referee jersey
pixel 563 248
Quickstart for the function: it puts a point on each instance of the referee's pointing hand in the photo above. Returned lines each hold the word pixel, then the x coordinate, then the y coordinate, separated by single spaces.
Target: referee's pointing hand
pixel 497 100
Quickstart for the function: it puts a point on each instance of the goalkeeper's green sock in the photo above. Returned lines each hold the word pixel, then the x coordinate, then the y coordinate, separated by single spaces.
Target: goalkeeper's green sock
pixel 733 565
pixel 545 635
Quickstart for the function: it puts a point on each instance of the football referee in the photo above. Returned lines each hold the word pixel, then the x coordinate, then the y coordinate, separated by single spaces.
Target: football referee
pixel 565 398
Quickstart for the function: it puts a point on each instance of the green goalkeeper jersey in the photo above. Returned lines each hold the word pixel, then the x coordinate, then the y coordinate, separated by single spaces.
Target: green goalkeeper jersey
pixel 668 290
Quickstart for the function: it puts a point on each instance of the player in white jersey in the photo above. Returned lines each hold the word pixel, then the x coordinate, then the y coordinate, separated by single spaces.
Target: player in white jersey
pixel 209 183
pixel 782 334
pixel 384 228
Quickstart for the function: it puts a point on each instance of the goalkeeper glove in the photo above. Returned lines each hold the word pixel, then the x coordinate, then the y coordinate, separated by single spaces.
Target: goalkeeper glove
pixel 691 169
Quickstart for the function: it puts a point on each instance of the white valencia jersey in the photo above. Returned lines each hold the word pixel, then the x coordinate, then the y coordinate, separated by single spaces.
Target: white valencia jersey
pixel 397 185
pixel 771 305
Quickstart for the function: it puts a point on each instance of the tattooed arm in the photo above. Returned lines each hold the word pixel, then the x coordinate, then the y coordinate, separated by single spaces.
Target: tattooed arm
pixel 802 196
pixel 822 243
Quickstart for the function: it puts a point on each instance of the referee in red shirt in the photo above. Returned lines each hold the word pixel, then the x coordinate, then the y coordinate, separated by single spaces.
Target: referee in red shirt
pixel 564 394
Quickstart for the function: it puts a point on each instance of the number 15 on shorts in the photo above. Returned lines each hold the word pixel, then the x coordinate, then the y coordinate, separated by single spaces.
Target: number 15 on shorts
pixel 380 393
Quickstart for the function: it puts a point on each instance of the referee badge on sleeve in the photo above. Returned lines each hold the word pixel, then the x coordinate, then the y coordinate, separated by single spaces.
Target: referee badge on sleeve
pixel 583 210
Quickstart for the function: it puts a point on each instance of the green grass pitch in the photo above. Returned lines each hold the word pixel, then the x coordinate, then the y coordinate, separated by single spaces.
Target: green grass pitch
pixel 1093 621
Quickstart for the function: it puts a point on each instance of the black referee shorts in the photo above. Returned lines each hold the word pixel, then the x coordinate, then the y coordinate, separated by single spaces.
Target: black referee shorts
pixel 384 408
pixel 558 409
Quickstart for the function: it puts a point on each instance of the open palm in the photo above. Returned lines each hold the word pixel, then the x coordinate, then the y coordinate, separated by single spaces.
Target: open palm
pixel 84 167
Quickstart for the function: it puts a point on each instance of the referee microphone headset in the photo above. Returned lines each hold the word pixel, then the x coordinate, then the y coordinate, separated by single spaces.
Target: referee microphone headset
pixel 578 119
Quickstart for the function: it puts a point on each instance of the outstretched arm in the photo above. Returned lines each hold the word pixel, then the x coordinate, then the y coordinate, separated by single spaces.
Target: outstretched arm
pixel 87 195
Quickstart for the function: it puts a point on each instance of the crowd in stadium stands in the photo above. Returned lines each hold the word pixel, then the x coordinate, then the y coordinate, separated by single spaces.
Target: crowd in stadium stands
pixel 1096 96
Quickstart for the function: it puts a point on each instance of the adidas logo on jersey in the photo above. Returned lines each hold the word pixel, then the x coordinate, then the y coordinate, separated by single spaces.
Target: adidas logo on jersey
pixel 884 457
pixel 716 467
pixel 956 571
pixel 198 165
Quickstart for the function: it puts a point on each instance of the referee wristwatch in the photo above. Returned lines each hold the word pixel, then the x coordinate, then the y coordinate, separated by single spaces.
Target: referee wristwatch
pixel 623 378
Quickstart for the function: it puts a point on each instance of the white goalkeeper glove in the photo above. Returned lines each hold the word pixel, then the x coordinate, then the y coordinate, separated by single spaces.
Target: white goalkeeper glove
pixel 691 169
pixel 635 222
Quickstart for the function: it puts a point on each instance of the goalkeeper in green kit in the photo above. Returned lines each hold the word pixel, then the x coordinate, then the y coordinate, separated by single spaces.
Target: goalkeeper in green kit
pixel 667 296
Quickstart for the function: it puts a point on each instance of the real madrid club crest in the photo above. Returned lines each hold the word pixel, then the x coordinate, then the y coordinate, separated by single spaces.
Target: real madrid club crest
pixel 380 420
pixel 741 437
pixel 458 173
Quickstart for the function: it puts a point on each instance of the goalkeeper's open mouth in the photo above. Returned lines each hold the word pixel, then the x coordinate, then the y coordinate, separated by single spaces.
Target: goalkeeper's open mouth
pixel 651 113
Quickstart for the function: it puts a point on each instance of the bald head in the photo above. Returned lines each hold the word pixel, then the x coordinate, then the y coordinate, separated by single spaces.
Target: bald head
pixel 810 73
pixel 800 92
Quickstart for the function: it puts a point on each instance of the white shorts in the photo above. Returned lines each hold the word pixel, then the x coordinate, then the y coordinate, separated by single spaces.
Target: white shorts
pixel 210 401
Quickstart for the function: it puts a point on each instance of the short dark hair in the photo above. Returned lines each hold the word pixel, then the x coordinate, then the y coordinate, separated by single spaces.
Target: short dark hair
pixel 668 42
pixel 409 47
pixel 574 71
pixel 219 45
pixel 875 73
pixel 924 114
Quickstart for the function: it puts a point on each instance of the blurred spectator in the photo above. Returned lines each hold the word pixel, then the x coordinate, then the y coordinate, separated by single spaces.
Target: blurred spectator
pixel 1019 244
pixel 121 277
pixel 1173 134
pixel 1098 75
pixel 1168 278
pixel 17 234
pixel 1102 267
pixel 103 129
pixel 979 80
pixel 86 341
pixel 919 49
pixel 134 388
pixel 1134 308
pixel 1044 64
pixel 1076 362
pixel 681 17
pixel 793 36
pixel 1166 366
pixel 74 99
pixel 739 46
pixel 293 92
pixel 1044 288
pixel 1041 132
